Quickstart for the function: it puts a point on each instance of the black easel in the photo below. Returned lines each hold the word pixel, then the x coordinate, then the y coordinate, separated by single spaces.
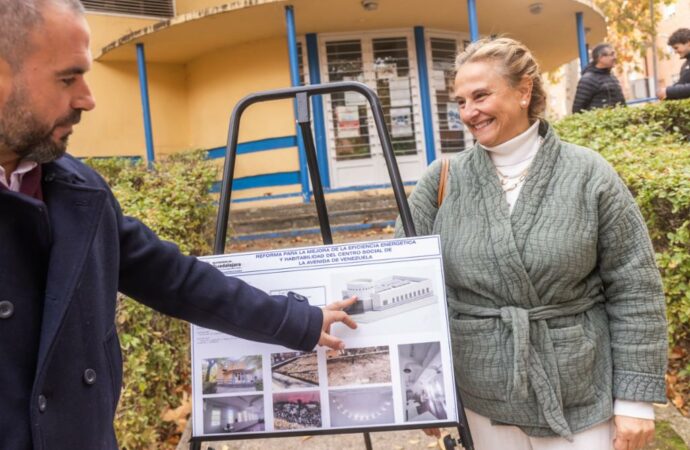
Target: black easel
pixel 302 94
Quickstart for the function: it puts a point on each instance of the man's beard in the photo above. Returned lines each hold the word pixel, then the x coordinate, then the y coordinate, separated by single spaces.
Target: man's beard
pixel 22 133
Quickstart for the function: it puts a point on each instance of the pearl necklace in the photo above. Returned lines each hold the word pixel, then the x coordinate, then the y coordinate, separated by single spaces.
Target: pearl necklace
pixel 511 182
pixel 506 180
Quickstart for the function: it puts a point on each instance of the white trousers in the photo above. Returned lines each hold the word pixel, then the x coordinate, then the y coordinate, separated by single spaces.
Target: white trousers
pixel 505 437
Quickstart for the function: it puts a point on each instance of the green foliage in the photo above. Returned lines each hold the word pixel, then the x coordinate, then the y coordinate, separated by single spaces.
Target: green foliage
pixel 649 148
pixel 629 26
pixel 172 199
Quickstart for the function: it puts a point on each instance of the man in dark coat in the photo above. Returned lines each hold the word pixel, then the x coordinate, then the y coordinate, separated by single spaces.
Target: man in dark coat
pixel 598 88
pixel 66 249
pixel 680 41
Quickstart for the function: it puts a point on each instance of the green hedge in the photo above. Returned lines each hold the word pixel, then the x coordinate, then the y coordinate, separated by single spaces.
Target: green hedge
pixel 649 148
pixel 173 199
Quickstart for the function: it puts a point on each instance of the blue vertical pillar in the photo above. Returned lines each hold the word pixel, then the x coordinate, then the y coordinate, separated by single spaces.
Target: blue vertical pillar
pixel 472 16
pixel 317 110
pixel 294 81
pixel 146 107
pixel 425 94
pixel 581 42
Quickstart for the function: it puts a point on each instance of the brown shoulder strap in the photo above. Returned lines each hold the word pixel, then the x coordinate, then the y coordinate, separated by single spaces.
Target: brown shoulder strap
pixel 443 181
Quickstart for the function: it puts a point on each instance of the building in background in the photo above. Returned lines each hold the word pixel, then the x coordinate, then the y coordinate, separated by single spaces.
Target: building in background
pixel 202 56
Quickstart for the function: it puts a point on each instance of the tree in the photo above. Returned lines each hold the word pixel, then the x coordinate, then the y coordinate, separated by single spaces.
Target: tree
pixel 630 27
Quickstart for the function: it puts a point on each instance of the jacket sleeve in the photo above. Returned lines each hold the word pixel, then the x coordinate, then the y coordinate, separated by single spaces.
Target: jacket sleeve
pixel 423 202
pixel 634 295
pixel 678 91
pixel 157 274
pixel 584 93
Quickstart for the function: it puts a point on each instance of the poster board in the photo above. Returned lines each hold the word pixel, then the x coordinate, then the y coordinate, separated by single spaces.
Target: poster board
pixel 395 372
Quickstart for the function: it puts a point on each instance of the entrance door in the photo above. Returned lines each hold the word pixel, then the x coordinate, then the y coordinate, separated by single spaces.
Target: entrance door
pixel 386 64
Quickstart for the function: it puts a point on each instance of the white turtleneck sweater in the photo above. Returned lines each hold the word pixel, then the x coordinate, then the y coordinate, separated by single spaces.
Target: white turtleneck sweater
pixel 512 158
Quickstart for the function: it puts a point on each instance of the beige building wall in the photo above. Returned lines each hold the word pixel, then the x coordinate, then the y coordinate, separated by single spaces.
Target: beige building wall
pixel 217 81
pixel 115 127
pixel 201 62
pixel 189 6
pixel 675 16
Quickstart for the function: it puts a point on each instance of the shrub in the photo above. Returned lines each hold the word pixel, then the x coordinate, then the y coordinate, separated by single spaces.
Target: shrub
pixel 172 199
pixel 649 148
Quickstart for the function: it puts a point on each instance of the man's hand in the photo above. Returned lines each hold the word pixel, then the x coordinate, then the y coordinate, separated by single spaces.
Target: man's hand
pixel 334 313
pixel 661 93
pixel 632 433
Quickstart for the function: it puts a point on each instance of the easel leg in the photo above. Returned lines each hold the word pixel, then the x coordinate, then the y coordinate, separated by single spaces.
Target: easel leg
pixel 367 441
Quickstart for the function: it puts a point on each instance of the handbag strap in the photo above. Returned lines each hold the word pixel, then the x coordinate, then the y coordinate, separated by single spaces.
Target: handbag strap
pixel 443 181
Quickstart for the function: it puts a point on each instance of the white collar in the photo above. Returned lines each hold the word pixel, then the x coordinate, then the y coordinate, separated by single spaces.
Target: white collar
pixel 16 176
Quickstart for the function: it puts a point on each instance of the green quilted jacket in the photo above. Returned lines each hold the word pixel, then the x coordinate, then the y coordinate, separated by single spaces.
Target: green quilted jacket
pixel 557 308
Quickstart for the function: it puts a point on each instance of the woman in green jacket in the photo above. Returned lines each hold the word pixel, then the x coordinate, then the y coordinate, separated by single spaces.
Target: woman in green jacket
pixel 555 302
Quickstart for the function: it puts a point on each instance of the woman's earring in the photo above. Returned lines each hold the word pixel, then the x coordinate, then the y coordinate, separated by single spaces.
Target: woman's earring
pixel 523 103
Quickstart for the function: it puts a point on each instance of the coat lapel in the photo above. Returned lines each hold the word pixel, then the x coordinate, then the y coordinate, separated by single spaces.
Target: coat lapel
pixel 517 288
pixel 74 212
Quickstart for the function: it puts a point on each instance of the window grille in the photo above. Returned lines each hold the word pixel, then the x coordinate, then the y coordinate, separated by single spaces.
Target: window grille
pixel 394 88
pixel 155 8
pixel 349 110
pixel 451 130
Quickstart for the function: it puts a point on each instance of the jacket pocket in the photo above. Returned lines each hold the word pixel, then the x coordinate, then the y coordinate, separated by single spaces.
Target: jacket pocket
pixel 575 355
pixel 114 356
pixel 479 358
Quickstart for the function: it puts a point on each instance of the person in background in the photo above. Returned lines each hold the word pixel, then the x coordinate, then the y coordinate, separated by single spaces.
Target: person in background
pixel 680 41
pixel 597 87
pixel 66 249
pixel 556 306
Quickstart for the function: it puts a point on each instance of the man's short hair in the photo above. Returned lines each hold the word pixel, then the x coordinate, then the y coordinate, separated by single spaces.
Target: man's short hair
pixel 17 19
pixel 680 36
pixel 598 50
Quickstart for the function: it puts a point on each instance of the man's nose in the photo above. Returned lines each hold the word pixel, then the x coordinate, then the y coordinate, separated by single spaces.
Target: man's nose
pixel 83 99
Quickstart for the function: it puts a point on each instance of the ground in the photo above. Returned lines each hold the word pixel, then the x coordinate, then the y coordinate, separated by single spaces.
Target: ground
pixel 673 429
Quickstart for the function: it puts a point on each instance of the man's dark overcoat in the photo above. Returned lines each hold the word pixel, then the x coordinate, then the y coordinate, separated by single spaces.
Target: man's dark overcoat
pixel 63 261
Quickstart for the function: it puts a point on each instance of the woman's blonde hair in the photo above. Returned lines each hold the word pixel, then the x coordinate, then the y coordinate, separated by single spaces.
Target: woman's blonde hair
pixel 516 63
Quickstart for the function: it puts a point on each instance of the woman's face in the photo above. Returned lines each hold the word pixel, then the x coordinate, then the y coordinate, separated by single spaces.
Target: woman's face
pixel 490 107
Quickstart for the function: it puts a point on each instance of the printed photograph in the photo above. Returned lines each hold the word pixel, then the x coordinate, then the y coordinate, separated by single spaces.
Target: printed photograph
pixel 294 370
pixel 232 375
pixel 361 407
pixel 297 410
pixel 424 396
pixel 381 298
pixel 364 365
pixel 240 414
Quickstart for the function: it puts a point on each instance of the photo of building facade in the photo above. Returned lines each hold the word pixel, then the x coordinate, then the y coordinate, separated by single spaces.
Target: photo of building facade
pixel 387 294
pixel 230 375
pixel 167 74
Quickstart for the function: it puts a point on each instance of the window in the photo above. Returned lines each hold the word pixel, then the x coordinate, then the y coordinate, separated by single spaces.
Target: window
pixel 155 8
pixel 349 109
pixel 451 130
pixel 394 88
pixel 215 417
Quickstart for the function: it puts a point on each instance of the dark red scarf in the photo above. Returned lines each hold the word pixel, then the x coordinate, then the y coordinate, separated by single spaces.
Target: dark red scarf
pixel 31 184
